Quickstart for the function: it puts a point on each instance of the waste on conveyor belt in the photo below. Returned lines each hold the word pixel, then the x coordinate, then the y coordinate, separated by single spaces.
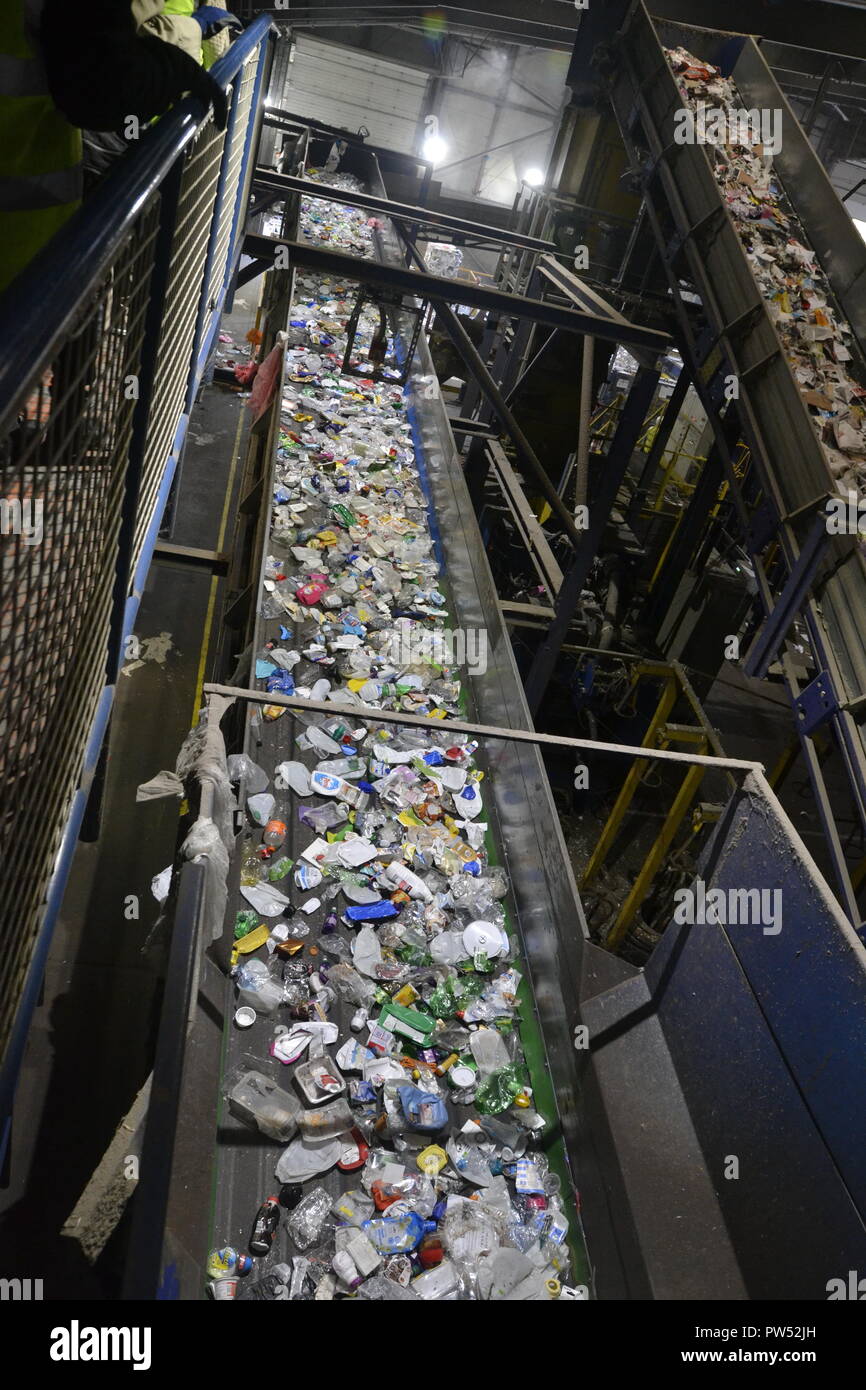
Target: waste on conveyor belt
pixel 818 342
pixel 441 258
pixel 376 972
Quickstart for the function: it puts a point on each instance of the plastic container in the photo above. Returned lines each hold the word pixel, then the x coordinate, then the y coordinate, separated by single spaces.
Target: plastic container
pixel 260 1102
pixel 319 1080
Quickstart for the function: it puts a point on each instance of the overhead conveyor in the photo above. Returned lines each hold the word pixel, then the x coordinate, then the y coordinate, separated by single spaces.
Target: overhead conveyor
pixel 729 336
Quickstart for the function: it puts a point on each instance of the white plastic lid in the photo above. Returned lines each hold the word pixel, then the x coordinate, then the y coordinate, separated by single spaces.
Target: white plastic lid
pixel 482 936
pixel 462 1076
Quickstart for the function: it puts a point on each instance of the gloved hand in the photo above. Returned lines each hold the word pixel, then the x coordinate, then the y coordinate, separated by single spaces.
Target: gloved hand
pixel 211 93
pixel 212 19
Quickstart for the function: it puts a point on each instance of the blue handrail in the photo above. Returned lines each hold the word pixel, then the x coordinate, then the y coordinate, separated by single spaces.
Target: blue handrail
pixel 36 312
pixel 45 297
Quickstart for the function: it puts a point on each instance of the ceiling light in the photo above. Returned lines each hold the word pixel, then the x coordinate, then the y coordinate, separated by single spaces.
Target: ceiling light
pixel 435 148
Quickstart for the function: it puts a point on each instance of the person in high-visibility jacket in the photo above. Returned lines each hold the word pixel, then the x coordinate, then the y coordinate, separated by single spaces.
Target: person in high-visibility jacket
pixel 40 151
pixel 64 68
pixel 189 26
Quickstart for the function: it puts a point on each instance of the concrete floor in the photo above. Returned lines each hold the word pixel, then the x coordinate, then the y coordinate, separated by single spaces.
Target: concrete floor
pixel 91 1044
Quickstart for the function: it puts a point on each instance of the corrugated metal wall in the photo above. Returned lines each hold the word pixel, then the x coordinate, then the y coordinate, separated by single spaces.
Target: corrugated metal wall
pixel 349 87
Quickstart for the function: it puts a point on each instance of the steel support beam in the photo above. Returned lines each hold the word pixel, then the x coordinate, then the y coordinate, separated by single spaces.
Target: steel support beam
pixel 790 602
pixel 407 212
pixel 287 120
pixel 440 289
pixel 662 438
pixel 614 467
pixel 586 298
pixel 525 453
pixel 685 540
pixel 532 535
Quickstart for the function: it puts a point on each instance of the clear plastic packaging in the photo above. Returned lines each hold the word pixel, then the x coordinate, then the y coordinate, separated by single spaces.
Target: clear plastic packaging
pixel 384 1290
pixel 309 1217
pixel 257 987
pixel 326 1122
pixel 351 986
pixel 392 1235
pixel 242 768
pixel 353 1207
pixel 259 1101
pixel 468 1232
pixel 440 1282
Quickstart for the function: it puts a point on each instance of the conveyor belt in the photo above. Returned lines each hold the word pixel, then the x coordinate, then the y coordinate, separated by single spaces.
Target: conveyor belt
pixel 527 840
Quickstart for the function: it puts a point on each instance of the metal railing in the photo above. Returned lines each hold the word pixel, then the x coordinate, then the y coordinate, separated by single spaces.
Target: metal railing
pixel 103 342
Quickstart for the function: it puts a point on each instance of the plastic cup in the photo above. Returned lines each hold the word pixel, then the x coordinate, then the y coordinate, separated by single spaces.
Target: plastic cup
pixel 245 1017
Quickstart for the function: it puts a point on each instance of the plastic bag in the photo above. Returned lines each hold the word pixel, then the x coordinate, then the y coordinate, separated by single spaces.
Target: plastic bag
pixel 489 1051
pixel 383 1289
pixel 257 988
pixel 242 768
pixel 354 1207
pixel 303 1160
pixel 424 1111
pixel 468 1233
pixel 350 985
pixel 261 807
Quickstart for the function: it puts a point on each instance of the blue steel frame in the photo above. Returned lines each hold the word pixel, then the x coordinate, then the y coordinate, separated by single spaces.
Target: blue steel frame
pixel 88 245
pixel 790 602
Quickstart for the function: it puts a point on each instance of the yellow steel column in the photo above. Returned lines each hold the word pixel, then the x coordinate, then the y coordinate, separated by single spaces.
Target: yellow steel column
pixel 652 863
pixel 632 781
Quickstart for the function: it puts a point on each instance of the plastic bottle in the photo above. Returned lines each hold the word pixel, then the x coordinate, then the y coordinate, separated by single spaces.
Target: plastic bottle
pixel 265 1226
pixel 344 767
pixel 252 869
pixel 274 834
pixel 489 1051
pixel 397 875
pixel 344 1267
pixel 326 785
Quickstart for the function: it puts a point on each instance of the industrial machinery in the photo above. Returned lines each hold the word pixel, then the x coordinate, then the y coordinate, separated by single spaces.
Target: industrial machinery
pixel 620 526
